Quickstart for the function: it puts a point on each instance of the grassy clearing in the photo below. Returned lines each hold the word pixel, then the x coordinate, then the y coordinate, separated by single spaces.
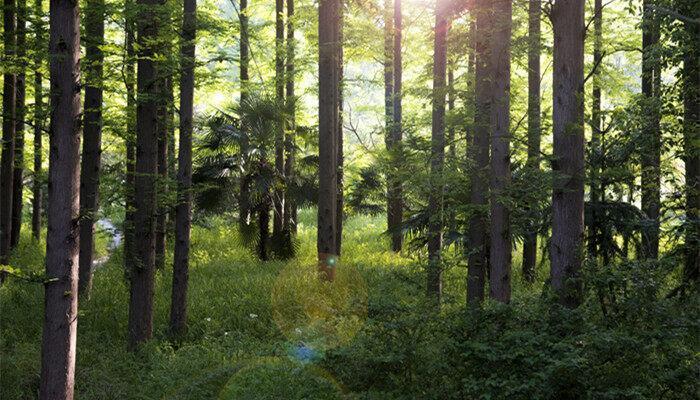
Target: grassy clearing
pixel 235 349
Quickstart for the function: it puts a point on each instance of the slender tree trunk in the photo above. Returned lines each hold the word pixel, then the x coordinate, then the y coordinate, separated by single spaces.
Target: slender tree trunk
pixel 500 253
pixel 264 226
pixel 8 135
pixel 290 210
pixel 651 154
pixel 142 270
pixel 38 120
pixel 329 110
pixel 183 209
pixel 479 156
pixel 691 126
pixel 244 210
pixel 92 142
pixel 437 154
pixel 594 229
pixel 278 196
pixel 534 126
pixel 165 84
pixel 20 114
pixel 395 192
pixel 389 121
pixel 130 138
pixel 568 163
pixel 339 216
pixel 451 138
pixel 62 241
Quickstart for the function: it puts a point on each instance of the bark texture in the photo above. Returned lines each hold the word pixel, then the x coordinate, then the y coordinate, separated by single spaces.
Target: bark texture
pixel 20 115
pixel 92 141
pixel 568 163
pixel 8 134
pixel 38 118
pixel 278 196
pixel 290 207
pixel 61 290
pixel 395 190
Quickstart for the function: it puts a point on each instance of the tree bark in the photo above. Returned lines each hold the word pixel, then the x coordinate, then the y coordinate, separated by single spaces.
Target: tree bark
pixel 437 154
pixel 534 126
pixel 329 110
pixel 290 210
pixel 278 197
pixel 183 210
pixel 651 154
pixel 245 213
pixel 568 163
pixel 596 187
pixel 500 253
pixel 38 120
pixel 165 83
pixel 20 114
pixel 339 216
pixel 61 287
pixel 479 156
pixel 389 119
pixel 142 270
pixel 92 142
pixel 395 192
pixel 8 135
pixel 130 138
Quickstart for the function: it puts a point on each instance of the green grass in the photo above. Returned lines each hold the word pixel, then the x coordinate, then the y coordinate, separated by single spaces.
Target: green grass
pixel 396 347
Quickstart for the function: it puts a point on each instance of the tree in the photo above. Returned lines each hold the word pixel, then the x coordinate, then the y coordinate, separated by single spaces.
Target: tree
pixel 146 170
pixel 329 111
pixel 597 189
pixel 61 285
pixel 20 114
pixel 8 134
pixel 279 198
pixel 290 211
pixel 183 209
pixel 479 155
pixel 38 118
pixel 534 129
pixel 164 87
pixel 130 137
pixel 568 164
pixel 651 149
pixel 437 153
pixel 92 142
pixel 244 59
pixel 500 253
pixel 394 137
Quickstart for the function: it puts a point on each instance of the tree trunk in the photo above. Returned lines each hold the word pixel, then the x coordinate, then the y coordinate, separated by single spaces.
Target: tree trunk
pixel 244 210
pixel 339 160
pixel 437 154
pixel 183 209
pixel 20 114
pixel 264 229
pixel 329 110
pixel 389 120
pixel 691 126
pixel 568 163
pixel 8 135
pixel 500 252
pixel 165 83
pixel 62 241
pixel 534 127
pixel 130 138
pixel 395 192
pixel 290 210
pixel 479 155
pixel 38 120
pixel 92 142
pixel 594 229
pixel 278 195
pixel 651 154
pixel 142 270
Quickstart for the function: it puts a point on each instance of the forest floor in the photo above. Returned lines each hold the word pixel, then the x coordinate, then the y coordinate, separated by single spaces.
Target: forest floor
pixel 246 342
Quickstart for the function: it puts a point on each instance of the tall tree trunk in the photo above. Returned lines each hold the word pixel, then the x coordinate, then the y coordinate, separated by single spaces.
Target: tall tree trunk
pixel 451 139
pixel 92 142
pixel 691 126
pixel 278 196
pixel 534 126
pixel 8 135
pixel 130 138
pixel 38 119
pixel 245 213
pixel 389 121
pixel 651 154
pixel 20 114
pixel 329 110
pixel 437 154
pixel 594 229
pixel 165 83
pixel 142 270
pixel 395 192
pixel 500 252
pixel 479 156
pixel 290 206
pixel 339 210
pixel 62 241
pixel 568 163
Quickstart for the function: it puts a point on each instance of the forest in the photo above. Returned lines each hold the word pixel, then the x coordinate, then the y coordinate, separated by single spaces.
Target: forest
pixel 350 199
